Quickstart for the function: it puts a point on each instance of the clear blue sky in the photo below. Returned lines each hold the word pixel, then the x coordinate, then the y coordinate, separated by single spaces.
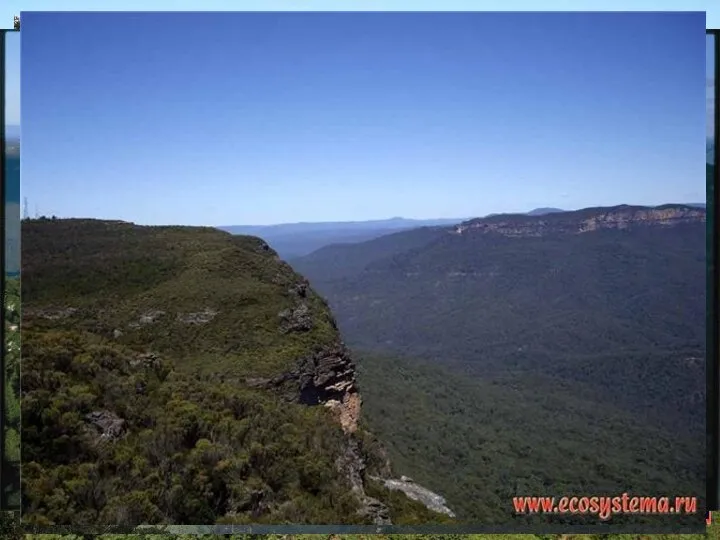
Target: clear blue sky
pixel 12 78
pixel 710 94
pixel 269 117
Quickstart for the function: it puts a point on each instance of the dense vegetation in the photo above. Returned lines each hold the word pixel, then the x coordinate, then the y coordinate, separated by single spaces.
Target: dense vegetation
pixel 10 473
pixel 482 441
pixel 608 308
pixel 137 342
pixel 533 363
pixel 136 285
pixel 197 450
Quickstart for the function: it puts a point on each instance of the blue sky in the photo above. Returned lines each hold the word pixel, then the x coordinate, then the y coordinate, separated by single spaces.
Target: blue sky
pixel 710 94
pixel 268 117
pixel 12 78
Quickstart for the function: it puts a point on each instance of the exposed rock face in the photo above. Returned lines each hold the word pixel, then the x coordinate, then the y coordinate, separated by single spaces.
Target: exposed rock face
pixel 146 318
pixel 626 217
pixel 200 317
pixel 326 377
pixel 581 221
pixel 431 500
pixel 352 466
pixel 296 319
pixel 109 425
pixel 147 360
pixel 151 316
pixel 347 411
pixel 299 289
pixel 329 376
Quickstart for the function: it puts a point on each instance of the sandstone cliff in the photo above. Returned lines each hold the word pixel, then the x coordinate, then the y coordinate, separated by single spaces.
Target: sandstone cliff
pixel 582 221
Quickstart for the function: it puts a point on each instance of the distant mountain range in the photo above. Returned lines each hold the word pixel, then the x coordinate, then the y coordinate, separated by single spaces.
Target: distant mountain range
pixel 298 239
pixel 293 240
pixel 307 227
pixel 544 211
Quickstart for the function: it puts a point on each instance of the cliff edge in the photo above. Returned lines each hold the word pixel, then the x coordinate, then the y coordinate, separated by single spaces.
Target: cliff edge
pixel 161 361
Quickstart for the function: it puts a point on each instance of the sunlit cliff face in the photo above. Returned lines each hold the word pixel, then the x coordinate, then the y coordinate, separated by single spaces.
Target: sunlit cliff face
pixel 576 222
pixel 622 219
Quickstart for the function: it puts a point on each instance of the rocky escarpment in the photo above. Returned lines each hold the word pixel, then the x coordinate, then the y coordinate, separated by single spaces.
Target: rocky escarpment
pixel 582 221
pixel 328 378
pixel 325 377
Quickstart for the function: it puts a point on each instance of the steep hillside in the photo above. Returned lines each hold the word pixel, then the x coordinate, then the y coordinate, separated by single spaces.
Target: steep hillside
pixel 482 441
pixel 184 375
pixel 345 261
pixel 595 317
pixel 556 293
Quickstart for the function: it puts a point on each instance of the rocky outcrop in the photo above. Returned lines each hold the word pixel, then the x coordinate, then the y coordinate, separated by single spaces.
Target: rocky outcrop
pixel 325 377
pixel 299 289
pixel 347 411
pixel 296 319
pixel 351 465
pixel 148 360
pixel 416 492
pixel 146 318
pixel 108 425
pixel 582 221
pixel 199 317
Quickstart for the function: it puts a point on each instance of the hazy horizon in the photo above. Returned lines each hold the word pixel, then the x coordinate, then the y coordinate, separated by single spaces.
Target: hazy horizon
pixel 325 117
pixel 37 213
